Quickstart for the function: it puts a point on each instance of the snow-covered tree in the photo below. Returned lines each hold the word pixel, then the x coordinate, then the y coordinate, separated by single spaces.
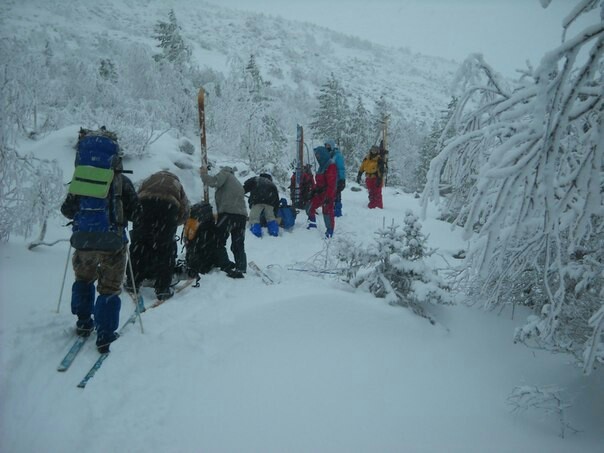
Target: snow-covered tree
pixel 405 138
pixel 359 136
pixel 172 45
pixel 31 190
pixel 394 268
pixel 246 120
pixel 107 70
pixel 331 119
pixel 429 150
pixel 527 172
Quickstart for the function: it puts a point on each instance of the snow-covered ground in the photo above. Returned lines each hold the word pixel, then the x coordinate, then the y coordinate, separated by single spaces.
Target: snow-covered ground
pixel 306 365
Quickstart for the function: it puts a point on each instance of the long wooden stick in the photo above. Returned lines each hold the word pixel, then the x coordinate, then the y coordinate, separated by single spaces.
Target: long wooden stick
pixel 202 134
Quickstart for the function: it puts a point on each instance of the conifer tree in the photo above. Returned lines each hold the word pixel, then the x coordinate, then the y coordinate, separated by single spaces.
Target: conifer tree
pixel 359 137
pixel 394 267
pixel 430 149
pixel 171 43
pixel 332 117
pixel 107 70
pixel 253 79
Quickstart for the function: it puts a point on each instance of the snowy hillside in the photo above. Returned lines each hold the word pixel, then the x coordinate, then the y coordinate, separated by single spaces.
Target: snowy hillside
pixel 308 364
pixel 298 55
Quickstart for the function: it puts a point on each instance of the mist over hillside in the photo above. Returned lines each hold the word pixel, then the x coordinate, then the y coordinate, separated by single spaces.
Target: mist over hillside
pixel 295 55
pixel 89 64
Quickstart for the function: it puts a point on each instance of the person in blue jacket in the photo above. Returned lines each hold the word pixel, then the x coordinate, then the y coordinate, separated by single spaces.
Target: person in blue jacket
pixel 338 159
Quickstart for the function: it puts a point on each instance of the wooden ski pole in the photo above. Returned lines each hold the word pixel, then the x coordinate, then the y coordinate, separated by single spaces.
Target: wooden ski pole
pixel 384 149
pixel 202 134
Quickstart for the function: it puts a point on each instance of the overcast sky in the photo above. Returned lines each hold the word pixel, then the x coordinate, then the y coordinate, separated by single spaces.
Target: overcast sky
pixel 506 32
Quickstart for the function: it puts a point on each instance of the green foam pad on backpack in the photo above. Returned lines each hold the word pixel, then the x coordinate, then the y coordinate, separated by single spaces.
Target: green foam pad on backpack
pixel 91 181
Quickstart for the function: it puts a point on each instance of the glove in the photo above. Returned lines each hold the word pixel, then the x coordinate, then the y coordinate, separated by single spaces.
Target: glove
pixel 341 185
pixel 359 178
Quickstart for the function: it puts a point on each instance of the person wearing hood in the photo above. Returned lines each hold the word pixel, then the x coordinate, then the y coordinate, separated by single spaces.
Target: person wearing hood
pixel 373 167
pixel 153 248
pixel 338 159
pixel 324 193
pixel 232 218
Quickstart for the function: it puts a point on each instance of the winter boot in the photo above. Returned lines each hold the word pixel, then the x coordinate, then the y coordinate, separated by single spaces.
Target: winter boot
pixel 84 326
pixel 328 233
pixel 82 303
pixel 234 273
pixel 273 228
pixel 106 318
pixel 165 294
pixel 102 343
pixel 311 222
pixel 256 230
pixel 338 209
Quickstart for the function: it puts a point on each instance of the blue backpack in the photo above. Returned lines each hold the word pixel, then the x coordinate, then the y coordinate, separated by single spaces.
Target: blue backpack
pixel 287 214
pixel 99 222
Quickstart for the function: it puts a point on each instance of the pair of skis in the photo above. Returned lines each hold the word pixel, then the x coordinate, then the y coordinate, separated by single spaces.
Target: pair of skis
pixel 80 341
pixel 71 355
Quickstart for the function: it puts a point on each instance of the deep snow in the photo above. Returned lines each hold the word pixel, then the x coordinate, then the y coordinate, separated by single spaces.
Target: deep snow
pixel 308 364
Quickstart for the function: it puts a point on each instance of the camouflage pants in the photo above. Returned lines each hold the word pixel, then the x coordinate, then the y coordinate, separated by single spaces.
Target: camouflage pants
pixel 106 267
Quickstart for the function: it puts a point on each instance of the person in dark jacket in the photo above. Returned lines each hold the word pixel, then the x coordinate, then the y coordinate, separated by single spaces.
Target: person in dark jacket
pixel 106 267
pixel 263 201
pixel 201 241
pixel 153 249
pixel 232 218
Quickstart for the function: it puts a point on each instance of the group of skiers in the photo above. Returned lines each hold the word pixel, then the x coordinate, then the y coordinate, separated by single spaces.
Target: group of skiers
pixel 102 200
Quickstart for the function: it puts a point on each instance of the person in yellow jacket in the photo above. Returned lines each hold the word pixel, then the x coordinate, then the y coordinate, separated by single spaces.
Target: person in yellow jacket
pixel 373 167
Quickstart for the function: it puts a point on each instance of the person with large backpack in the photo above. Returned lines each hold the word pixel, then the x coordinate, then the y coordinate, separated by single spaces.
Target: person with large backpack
pixel 200 236
pixel 154 248
pixel 373 167
pixel 264 203
pixel 338 159
pixel 100 202
pixel 324 192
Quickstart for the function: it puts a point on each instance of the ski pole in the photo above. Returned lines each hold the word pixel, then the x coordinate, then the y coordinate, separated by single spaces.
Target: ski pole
pixel 138 312
pixel 64 276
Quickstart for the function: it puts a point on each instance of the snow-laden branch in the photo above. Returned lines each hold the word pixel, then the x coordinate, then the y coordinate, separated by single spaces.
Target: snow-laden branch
pixel 525 173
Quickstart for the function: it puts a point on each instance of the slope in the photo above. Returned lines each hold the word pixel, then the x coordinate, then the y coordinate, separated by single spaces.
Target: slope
pixel 308 364
pixel 292 54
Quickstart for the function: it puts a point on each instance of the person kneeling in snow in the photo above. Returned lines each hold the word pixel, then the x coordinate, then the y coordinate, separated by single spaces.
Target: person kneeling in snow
pixel 263 202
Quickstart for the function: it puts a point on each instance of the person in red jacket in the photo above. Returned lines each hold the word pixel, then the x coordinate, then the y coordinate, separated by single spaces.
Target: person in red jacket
pixel 324 193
